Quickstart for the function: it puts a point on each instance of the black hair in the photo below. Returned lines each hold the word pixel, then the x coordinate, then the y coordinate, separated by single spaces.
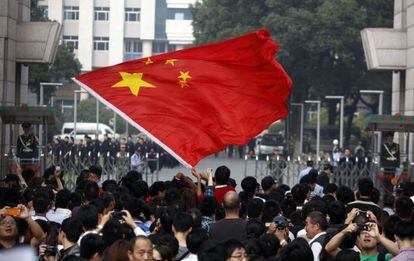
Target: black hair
pixel 208 206
pixel 347 255
pixel 404 207
pixel 345 194
pixel 288 206
pixel 134 206
pixel 107 198
pixel 166 218
pixel 169 241
pixel 41 202
pixel 336 212
pixel 96 170
pixel 62 198
pixel 112 231
pixel 91 191
pixel 140 189
pixel 182 222
pixel 270 245
pixel 375 195
pixel 231 245
pixel 328 199
pixel 88 216
pixel 299 193
pixel 222 175
pixel 195 214
pixel 314 205
pixel 165 252
pixel 156 187
pixel 365 186
pixel 172 194
pixel 330 188
pixel 319 218
pixel 72 228
pixel 267 182
pixel 249 184
pixel 389 226
pixel 298 249
pixel 90 245
pixel 75 200
pixel 195 239
pixel 270 210
pixel 254 207
pixel 27 174
pixel 255 228
pixel 109 185
pixel 211 250
pixel 388 200
pixel 404 230
pixel 253 248
pixel 98 203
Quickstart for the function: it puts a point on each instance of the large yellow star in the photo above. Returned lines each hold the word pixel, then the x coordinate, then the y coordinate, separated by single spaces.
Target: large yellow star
pixel 148 61
pixel 133 81
pixel 170 61
pixel 184 75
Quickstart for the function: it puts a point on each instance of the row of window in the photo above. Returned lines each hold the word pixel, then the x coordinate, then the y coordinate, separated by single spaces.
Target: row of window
pixel 101 13
pixel 131 14
pixel 132 46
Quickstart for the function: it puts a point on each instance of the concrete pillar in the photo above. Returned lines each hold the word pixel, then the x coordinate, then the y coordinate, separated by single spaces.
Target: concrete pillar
pixel 146 48
pixel 85 51
pixel 116 31
pixel 147 20
pixel 409 77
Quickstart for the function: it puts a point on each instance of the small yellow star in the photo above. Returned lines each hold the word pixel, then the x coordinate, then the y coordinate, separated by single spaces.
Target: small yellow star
pixel 183 83
pixel 184 75
pixel 170 61
pixel 148 61
pixel 133 81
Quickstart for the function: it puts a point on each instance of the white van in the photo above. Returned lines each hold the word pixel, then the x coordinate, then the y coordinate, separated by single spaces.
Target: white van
pixel 86 128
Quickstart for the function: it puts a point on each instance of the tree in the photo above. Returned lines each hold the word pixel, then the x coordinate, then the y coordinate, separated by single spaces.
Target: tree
pixel 320 42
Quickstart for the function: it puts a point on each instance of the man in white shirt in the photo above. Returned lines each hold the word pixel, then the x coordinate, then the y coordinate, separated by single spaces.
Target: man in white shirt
pixel 304 172
pixel 136 162
pixel 316 225
pixel 61 212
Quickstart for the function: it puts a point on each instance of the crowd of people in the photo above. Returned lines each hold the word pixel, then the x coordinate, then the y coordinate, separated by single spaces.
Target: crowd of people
pixel 202 216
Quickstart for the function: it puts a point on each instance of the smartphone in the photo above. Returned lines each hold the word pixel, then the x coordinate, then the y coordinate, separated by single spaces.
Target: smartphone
pixel 15 212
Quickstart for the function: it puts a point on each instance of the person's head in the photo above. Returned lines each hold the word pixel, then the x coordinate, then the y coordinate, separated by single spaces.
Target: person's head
pixel 404 207
pixel 26 127
pixel 296 250
pixel 134 206
pixel 112 231
pixel 269 244
pixel 222 175
pixel 389 137
pixel 162 252
pixel 328 169
pixel 347 255
pixel 300 193
pixel 347 153
pixel 404 233
pixel 388 200
pixel 208 206
pixel 365 186
pixel 255 228
pixel 157 189
pixel 88 216
pixel 330 189
pixel 140 249
pixel 189 197
pixel 70 230
pixel 270 210
pixel 62 198
pixel 195 239
pixel 235 250
pixel 41 202
pixel 28 174
pixel 95 173
pixel 389 226
pixel 309 163
pixel 118 251
pixel 336 212
pixel 366 240
pixel 109 185
pixel 231 203
pixel 249 185
pixel 375 195
pixel 195 214
pixel 182 223
pixel 268 184
pixel 92 247
pixel 315 223
pixel 91 191
pixel 254 207
pixel 170 242
pixel 211 250
pixel 8 229
pixel 345 194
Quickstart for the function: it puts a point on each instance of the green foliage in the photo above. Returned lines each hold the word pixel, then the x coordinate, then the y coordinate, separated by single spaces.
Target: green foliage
pixel 277 127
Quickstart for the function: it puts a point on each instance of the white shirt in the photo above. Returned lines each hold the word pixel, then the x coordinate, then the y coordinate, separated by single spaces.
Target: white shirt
pixel 135 163
pixel 58 215
pixel 316 248
pixel 303 173
pixel 191 257
pixel 302 234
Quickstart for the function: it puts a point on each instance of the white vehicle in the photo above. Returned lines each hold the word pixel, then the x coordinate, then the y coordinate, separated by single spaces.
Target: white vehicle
pixel 86 128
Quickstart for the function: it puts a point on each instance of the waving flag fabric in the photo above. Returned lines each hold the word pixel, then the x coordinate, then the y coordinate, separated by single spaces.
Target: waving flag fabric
pixel 196 101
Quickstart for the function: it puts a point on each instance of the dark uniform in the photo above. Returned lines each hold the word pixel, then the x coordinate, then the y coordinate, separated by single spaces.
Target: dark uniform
pixel 27 146
pixel 390 161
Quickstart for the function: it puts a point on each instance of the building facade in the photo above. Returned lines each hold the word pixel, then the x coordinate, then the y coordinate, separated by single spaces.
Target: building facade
pixel 107 32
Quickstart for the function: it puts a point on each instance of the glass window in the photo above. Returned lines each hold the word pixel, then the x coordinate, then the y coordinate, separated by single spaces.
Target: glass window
pixel 162 47
pixel 101 43
pixel 71 12
pixel 179 14
pixel 132 49
pixel 71 41
pixel 132 14
pixel 101 13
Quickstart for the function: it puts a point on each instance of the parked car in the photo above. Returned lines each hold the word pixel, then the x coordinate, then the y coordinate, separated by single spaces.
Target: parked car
pixel 86 128
pixel 266 143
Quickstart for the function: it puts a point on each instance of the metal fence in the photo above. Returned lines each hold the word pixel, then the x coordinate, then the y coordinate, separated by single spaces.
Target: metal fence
pixel 286 171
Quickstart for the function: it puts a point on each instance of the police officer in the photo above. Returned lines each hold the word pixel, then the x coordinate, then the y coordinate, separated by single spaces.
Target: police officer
pixel 27 145
pixel 390 159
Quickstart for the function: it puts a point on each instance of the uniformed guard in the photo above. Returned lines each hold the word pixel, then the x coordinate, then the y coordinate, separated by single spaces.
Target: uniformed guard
pixel 390 159
pixel 27 146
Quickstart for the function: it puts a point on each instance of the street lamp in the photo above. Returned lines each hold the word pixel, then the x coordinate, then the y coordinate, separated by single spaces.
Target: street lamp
pixel 302 112
pixel 318 127
pixel 380 102
pixel 341 119
pixel 42 85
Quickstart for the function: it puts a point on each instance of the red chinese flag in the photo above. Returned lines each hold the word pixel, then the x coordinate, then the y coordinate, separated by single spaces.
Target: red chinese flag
pixel 196 101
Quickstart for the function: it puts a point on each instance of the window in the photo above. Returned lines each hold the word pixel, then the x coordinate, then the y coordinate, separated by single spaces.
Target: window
pixel 71 41
pixel 162 47
pixel 132 14
pixel 101 43
pixel 71 12
pixel 179 14
pixel 67 109
pixel 101 13
pixel 132 49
